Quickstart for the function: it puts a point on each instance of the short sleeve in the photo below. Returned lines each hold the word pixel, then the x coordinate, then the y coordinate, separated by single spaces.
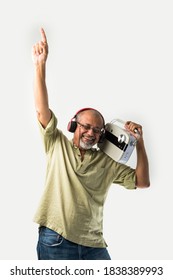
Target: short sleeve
pixel 49 133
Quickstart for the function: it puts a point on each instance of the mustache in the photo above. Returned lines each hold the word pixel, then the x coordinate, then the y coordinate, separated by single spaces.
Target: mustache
pixel 88 136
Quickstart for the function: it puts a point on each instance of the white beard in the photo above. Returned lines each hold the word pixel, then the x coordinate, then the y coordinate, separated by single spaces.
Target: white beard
pixel 85 146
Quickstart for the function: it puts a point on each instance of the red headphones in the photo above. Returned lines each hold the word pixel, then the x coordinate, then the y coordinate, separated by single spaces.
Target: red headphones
pixel 73 123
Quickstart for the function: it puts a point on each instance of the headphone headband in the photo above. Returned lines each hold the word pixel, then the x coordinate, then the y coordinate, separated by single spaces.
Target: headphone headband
pixel 89 108
pixel 73 124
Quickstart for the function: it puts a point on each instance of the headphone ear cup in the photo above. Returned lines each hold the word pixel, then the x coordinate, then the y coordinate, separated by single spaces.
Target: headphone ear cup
pixel 72 126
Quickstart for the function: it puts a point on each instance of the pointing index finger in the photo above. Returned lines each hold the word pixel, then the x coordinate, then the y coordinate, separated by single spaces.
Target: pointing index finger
pixel 43 36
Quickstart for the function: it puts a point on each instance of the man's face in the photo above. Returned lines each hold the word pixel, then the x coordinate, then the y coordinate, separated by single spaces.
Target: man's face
pixel 88 131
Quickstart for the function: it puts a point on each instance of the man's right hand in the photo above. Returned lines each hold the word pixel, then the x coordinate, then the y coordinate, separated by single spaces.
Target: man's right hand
pixel 40 50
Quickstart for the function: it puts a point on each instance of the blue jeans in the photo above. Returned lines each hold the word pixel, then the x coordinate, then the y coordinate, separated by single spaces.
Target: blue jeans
pixel 52 246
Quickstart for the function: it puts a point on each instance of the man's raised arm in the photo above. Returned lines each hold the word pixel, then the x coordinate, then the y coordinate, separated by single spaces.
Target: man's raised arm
pixel 39 57
pixel 142 166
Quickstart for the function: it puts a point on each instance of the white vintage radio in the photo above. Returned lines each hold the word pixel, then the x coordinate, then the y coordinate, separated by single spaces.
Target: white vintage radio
pixel 118 143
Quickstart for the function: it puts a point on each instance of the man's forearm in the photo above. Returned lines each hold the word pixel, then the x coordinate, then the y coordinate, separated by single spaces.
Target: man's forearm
pixel 142 167
pixel 40 89
pixel 40 94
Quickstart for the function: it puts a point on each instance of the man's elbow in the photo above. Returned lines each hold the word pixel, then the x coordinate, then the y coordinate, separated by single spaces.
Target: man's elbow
pixel 143 185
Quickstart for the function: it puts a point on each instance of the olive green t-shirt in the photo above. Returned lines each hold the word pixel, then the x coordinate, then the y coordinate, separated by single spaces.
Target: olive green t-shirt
pixel 75 191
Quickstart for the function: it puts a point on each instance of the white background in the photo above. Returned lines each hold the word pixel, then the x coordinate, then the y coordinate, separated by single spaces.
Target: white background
pixel 115 56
